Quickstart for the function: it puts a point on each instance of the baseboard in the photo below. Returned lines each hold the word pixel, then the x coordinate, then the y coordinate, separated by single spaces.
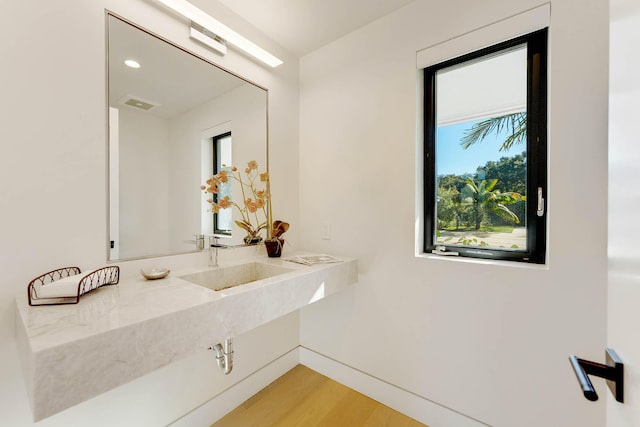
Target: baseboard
pixel 410 404
pixel 225 402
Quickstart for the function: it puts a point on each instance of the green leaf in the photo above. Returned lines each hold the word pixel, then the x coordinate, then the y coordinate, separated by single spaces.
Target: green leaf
pixel 245 226
pixel 515 123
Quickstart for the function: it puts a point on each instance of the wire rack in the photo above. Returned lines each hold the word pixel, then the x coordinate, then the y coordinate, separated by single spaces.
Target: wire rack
pixel 87 283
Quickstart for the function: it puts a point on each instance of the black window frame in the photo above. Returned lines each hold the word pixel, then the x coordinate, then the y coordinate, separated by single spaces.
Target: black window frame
pixel 536 150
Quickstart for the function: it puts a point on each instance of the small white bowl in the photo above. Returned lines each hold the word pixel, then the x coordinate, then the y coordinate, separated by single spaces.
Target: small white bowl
pixel 155 273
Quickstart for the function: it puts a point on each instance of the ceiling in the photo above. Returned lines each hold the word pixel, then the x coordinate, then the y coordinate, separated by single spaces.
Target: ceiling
pixel 299 26
pixel 302 26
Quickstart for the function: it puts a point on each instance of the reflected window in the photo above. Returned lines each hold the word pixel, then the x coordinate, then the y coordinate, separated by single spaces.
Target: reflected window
pixel 485 152
pixel 223 220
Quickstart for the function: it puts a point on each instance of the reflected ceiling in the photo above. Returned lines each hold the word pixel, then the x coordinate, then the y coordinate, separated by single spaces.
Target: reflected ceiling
pixel 161 76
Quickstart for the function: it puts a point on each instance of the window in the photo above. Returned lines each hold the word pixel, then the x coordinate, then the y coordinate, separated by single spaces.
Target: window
pixel 485 152
pixel 222 220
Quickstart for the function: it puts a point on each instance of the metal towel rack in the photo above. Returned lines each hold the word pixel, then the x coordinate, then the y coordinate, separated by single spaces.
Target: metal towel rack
pixel 612 371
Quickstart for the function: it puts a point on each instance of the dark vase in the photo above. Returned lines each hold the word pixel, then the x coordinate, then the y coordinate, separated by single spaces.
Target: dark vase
pixel 274 247
pixel 252 240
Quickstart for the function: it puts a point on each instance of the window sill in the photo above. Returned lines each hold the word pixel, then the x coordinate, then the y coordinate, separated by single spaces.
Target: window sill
pixel 480 261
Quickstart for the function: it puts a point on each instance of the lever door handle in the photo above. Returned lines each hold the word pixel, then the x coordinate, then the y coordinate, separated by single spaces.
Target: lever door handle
pixel 612 371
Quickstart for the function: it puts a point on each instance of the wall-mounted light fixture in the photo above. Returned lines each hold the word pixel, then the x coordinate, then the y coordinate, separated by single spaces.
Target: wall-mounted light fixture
pixel 220 35
pixel 207 37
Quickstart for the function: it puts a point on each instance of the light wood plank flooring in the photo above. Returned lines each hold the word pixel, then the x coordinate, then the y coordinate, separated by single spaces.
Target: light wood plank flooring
pixel 304 398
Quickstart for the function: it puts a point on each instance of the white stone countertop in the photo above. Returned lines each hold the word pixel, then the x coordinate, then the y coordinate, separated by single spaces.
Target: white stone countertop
pixel 71 353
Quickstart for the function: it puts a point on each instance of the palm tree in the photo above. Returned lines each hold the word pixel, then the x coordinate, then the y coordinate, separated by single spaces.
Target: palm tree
pixel 515 123
pixel 485 198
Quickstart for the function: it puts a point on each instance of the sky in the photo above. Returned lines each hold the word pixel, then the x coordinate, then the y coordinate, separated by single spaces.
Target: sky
pixel 452 158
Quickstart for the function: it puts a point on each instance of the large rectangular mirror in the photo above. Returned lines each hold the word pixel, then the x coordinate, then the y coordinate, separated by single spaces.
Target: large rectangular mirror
pixel 167 112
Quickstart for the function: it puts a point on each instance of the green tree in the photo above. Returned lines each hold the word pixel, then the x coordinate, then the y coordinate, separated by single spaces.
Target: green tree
pixel 484 199
pixel 452 181
pixel 448 198
pixel 510 171
pixel 450 206
pixel 515 124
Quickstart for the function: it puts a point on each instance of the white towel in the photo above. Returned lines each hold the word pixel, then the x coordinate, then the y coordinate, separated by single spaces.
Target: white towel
pixel 65 287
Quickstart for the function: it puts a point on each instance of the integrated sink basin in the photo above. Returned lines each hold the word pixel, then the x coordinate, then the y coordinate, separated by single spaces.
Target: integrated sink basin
pixel 221 278
pixel 138 326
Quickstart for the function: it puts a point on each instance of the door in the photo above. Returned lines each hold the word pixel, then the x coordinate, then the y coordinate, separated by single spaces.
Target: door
pixel 624 208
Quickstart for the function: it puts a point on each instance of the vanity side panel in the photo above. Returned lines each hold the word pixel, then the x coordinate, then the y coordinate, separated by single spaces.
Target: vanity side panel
pixel 25 353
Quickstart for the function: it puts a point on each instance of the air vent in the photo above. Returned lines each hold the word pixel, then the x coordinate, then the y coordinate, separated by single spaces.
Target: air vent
pixel 138 102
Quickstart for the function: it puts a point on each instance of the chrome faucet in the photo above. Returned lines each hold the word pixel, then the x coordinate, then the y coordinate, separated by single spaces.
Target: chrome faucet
pixel 213 251
pixel 199 242
pixel 214 245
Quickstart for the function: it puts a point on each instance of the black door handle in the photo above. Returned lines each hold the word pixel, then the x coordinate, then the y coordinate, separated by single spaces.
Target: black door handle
pixel 613 372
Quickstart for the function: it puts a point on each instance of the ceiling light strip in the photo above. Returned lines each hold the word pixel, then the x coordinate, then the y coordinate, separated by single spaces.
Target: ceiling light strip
pixel 196 15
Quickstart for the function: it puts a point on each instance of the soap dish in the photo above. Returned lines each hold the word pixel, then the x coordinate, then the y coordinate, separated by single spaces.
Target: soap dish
pixel 155 273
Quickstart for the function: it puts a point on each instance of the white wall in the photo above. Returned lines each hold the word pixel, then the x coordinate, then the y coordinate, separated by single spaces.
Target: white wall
pixel 144 186
pixel 53 192
pixel 490 340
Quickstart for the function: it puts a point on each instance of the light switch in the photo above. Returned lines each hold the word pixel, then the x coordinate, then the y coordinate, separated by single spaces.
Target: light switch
pixel 326 231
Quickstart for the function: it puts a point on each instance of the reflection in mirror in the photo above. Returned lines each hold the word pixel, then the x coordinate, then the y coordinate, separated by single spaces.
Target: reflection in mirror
pixel 174 120
pixel 223 219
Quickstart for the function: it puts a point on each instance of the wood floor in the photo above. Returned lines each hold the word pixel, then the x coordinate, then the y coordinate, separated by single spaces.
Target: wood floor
pixel 304 398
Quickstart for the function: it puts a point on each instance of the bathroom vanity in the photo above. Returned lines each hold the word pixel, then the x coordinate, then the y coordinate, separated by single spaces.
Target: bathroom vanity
pixel 71 353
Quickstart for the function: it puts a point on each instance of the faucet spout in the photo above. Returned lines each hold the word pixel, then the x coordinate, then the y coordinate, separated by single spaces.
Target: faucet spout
pixel 214 245
pixel 213 251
